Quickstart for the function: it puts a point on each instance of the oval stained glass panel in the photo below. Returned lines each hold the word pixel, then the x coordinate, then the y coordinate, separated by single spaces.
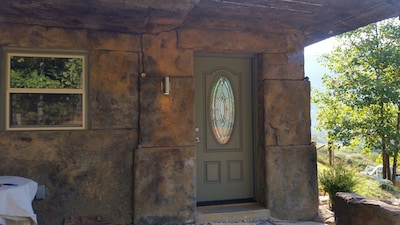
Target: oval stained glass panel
pixel 222 109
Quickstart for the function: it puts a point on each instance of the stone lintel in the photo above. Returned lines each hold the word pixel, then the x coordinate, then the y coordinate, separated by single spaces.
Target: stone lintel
pixel 164 184
pixel 292 186
pixel 64 38
pixel 228 41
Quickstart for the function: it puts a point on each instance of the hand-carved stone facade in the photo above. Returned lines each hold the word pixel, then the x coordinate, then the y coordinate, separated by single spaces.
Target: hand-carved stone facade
pixel 136 162
pixel 133 126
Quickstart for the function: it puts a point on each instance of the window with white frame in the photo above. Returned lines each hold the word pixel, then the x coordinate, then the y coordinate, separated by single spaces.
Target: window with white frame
pixel 44 90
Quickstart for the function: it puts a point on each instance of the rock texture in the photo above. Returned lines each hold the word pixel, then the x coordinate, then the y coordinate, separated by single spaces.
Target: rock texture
pixel 86 172
pixel 164 186
pixel 356 210
pixel 136 160
pixel 291 182
pixel 317 20
pixel 284 124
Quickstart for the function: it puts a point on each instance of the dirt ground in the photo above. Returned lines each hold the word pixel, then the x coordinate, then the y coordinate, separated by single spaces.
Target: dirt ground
pixel 325 214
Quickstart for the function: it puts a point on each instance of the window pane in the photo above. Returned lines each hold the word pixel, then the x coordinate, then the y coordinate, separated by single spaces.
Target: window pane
pixel 222 110
pixel 45 72
pixel 42 110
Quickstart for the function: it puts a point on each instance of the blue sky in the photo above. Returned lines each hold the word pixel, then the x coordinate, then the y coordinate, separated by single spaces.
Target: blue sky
pixel 312 69
pixel 320 47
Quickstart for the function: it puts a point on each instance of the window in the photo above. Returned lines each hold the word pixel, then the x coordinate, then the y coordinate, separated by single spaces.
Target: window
pixel 222 109
pixel 44 90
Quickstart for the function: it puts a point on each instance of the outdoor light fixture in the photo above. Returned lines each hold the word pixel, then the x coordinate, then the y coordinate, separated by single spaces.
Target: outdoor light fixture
pixel 165 86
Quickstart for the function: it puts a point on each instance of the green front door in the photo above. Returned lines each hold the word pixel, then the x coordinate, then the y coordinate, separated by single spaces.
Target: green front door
pixel 224 125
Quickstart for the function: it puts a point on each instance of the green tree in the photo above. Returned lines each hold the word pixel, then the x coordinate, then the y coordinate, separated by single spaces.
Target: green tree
pixel 363 94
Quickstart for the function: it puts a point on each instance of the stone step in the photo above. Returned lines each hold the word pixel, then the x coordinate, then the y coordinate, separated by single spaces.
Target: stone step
pixel 241 214
pixel 238 214
pixel 297 223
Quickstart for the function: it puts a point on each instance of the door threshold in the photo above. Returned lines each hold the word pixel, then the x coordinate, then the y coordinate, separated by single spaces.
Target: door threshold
pixel 241 212
pixel 225 202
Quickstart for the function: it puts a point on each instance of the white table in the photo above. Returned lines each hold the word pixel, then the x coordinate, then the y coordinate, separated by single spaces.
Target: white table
pixel 16 196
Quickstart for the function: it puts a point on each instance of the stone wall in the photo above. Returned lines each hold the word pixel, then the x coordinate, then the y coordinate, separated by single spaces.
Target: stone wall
pixel 86 172
pixel 136 162
pixel 352 209
pixel 284 131
pixel 290 160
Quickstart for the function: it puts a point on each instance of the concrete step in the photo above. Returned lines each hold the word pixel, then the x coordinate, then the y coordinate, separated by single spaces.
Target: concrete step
pixel 238 214
pixel 297 223
pixel 241 214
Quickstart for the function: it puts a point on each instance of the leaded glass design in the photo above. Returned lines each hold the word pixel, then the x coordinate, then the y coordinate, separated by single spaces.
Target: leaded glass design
pixel 222 109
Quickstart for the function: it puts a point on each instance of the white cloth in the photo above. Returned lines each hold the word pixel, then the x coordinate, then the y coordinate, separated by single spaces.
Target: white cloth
pixel 16 196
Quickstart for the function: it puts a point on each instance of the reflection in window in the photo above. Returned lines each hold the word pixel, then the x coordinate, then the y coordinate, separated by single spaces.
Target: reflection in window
pixel 29 109
pixel 222 109
pixel 45 91
pixel 45 72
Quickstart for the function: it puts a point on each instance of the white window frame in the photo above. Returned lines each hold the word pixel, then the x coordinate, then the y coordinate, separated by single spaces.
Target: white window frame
pixel 10 52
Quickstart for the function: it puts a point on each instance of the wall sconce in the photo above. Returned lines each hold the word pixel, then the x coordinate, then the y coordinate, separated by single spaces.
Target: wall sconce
pixel 165 86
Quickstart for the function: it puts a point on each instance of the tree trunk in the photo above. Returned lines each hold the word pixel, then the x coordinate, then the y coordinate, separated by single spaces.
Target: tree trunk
pixel 394 169
pixel 385 161
pixel 386 166
pixel 385 157
pixel 396 151
pixel 330 151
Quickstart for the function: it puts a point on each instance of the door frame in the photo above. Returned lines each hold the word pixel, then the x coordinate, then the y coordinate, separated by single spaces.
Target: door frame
pixel 255 112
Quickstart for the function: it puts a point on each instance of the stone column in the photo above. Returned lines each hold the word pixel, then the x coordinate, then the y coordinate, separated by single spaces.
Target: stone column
pixel 164 166
pixel 291 171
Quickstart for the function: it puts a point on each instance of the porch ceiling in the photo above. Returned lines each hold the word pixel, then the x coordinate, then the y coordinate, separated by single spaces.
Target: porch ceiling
pixel 317 19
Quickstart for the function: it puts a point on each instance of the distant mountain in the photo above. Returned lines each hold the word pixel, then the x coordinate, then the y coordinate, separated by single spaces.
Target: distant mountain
pixel 314 71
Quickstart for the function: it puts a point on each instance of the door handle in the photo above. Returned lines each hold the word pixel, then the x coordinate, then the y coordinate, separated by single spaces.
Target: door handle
pixel 197 139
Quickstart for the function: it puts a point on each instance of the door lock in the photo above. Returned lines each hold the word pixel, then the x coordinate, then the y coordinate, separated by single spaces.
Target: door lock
pixel 197 139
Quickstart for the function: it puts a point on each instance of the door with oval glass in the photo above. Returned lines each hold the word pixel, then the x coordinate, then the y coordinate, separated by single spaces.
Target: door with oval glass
pixel 224 126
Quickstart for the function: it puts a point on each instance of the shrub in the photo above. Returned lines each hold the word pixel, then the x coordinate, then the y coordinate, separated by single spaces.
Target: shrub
pixel 337 179
pixel 371 188
pixel 387 186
